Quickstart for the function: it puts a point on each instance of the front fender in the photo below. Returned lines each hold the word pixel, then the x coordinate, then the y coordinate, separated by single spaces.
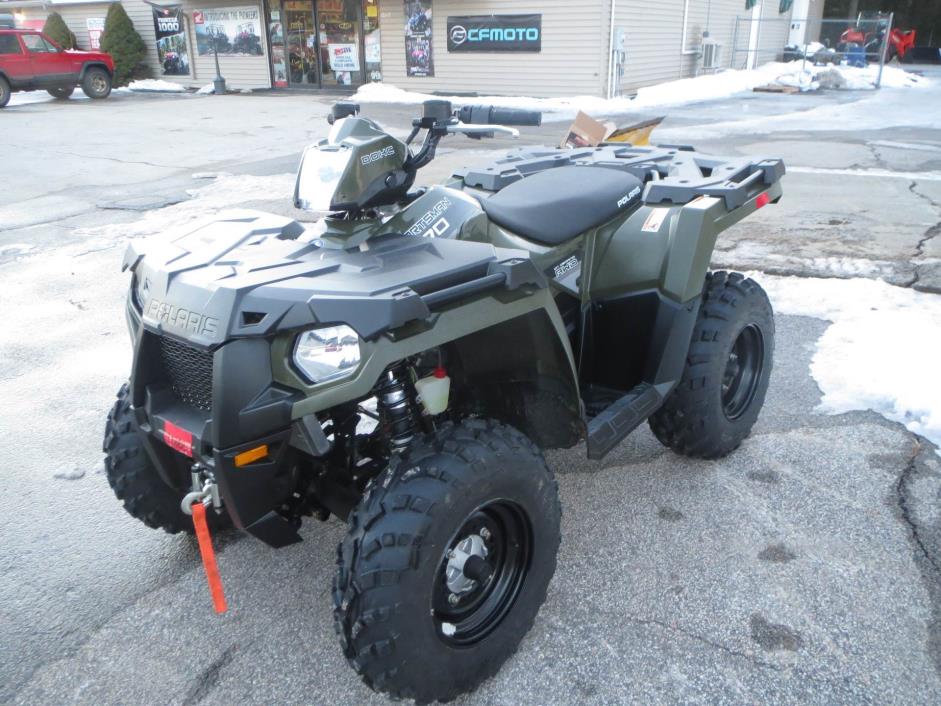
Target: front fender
pixel 503 339
pixel 94 65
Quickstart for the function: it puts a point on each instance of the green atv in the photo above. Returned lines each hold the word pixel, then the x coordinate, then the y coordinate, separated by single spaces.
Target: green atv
pixel 403 363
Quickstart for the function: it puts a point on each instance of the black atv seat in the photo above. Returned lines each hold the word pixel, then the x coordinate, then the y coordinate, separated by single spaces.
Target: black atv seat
pixel 558 204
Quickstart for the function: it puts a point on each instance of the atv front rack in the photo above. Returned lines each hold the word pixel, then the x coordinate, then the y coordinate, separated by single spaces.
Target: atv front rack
pixel 674 174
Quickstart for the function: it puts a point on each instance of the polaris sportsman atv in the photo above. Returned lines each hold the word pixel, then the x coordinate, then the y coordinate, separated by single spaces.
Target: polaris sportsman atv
pixel 403 363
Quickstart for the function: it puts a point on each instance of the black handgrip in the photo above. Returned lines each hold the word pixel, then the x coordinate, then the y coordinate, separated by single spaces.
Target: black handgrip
pixel 491 115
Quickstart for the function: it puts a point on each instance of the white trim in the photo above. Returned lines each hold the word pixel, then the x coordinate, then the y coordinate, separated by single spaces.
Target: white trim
pixel 683 50
pixel 797 33
pixel 754 34
pixel 612 69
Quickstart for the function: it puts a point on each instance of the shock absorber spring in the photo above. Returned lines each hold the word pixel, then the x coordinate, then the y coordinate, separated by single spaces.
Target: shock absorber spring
pixel 396 405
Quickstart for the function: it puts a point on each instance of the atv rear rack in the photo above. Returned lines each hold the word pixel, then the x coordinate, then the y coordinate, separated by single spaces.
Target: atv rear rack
pixel 674 174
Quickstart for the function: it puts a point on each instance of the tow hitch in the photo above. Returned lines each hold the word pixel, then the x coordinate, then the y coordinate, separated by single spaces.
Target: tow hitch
pixel 194 503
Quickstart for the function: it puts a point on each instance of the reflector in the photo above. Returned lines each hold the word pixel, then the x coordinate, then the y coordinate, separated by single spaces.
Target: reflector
pixel 247 457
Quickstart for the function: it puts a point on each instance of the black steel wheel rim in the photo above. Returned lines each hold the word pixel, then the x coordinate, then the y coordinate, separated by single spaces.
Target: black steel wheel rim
pixel 510 547
pixel 742 372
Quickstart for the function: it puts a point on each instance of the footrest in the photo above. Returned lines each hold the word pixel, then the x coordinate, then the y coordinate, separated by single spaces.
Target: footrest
pixel 611 426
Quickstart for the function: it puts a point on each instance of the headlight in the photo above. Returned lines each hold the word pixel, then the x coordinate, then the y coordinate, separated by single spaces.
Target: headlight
pixel 141 287
pixel 327 353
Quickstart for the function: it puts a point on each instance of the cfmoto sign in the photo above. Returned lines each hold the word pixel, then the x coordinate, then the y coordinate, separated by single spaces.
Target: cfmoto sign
pixel 495 33
pixel 458 34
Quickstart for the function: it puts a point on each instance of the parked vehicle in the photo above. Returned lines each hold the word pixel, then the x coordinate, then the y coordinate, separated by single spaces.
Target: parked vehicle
pixel 404 366
pixel 29 60
pixel 862 45
pixel 901 45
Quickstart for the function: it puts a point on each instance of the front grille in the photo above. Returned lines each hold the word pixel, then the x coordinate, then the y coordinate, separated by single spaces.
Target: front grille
pixel 190 373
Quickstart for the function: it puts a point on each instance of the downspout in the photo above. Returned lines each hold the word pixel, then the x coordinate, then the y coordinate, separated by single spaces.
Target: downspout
pixel 612 71
pixel 683 49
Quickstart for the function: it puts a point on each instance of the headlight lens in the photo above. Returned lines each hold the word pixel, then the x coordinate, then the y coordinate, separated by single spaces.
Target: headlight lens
pixel 141 287
pixel 327 353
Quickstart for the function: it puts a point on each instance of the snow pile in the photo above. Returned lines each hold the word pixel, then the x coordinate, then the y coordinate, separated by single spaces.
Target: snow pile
pixel 30 97
pixel 207 90
pixel 882 351
pixel 152 85
pixel 688 90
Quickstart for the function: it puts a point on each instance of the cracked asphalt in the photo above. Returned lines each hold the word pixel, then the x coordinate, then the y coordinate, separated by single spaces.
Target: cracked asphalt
pixel 804 568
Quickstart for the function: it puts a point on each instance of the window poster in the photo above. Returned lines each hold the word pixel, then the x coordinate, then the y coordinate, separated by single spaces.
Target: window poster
pixel 419 60
pixel 228 30
pixel 171 40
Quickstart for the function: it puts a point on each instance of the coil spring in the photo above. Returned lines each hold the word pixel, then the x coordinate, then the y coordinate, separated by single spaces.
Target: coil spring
pixel 395 398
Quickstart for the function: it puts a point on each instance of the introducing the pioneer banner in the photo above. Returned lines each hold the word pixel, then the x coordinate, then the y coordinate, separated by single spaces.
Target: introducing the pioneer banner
pixel 495 33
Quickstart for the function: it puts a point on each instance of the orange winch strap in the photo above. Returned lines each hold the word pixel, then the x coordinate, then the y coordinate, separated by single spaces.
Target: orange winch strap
pixel 209 557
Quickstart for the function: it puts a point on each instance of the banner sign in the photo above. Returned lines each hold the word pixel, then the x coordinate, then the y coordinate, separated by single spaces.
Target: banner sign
pixel 418 53
pixel 95 26
pixel 171 40
pixel 228 30
pixel 495 33
pixel 344 57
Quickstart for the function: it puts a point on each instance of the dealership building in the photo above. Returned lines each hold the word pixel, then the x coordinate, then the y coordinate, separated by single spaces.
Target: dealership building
pixel 545 48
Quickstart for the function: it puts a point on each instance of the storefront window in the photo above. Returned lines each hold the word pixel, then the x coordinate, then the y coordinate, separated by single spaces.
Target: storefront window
pixel 279 68
pixel 373 56
pixel 339 42
pixel 301 40
pixel 317 42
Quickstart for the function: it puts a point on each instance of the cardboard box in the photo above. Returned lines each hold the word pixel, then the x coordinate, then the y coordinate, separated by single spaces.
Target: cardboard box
pixel 585 131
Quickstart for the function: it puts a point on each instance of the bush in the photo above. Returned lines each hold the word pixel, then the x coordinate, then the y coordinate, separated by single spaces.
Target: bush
pixel 123 43
pixel 56 29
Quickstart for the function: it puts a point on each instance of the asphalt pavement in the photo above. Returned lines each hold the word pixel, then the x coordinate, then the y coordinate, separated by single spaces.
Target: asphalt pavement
pixel 803 568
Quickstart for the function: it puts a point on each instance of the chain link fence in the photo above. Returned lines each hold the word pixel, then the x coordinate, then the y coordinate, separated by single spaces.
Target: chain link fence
pixel 865 41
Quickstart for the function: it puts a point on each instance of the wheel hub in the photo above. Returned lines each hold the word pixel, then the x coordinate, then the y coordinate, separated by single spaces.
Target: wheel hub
pixel 482 572
pixel 467 565
pixel 742 372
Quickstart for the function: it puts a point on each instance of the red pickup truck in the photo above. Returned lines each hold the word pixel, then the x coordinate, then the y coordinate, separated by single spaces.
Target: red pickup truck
pixel 29 60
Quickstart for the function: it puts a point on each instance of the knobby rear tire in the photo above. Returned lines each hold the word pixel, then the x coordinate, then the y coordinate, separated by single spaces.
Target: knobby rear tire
pixel 694 421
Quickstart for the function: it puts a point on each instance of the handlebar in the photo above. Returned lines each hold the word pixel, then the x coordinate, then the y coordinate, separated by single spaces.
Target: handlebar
pixel 492 115
pixel 475 121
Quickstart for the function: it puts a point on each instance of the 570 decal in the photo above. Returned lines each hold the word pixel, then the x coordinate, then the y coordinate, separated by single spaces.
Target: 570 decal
pixel 433 223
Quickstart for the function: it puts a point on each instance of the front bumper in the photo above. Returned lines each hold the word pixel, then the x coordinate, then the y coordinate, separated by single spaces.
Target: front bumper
pixel 248 409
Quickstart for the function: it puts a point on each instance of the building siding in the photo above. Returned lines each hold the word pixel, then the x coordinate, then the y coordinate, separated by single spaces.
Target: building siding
pixel 655 42
pixel 240 72
pixel 575 45
pixel 774 31
pixel 73 15
pixel 572 60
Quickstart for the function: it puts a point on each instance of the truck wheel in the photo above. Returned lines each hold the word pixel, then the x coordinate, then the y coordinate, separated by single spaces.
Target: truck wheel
pixel 4 92
pixel 96 83
pixel 61 93
pixel 727 369
pixel 446 562
pixel 136 482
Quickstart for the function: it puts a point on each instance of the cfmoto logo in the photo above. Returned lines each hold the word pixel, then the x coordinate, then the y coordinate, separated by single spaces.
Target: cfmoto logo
pixel 458 34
